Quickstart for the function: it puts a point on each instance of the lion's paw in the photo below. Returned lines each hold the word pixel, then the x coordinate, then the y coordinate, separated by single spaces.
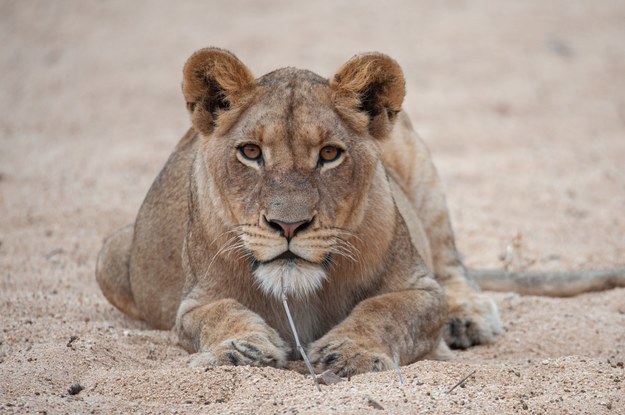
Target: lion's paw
pixel 250 350
pixel 473 319
pixel 347 358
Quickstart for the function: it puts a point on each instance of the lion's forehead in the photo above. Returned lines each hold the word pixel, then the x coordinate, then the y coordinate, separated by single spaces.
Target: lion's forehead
pixel 292 109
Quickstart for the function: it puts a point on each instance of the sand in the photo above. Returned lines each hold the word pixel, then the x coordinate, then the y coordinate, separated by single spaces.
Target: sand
pixel 521 103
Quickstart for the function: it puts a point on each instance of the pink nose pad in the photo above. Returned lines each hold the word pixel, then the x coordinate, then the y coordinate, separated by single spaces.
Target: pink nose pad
pixel 288 229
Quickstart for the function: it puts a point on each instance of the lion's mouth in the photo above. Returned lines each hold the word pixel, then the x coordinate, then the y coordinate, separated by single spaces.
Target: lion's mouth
pixel 288 255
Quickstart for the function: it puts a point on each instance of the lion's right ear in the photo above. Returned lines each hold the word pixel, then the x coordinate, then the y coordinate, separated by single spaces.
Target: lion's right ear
pixel 214 82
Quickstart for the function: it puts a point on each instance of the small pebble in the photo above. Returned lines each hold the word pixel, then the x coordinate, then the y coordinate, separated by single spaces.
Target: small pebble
pixel 75 389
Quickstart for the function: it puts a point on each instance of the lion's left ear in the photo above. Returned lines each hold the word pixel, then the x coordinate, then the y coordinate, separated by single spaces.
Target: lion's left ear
pixel 368 92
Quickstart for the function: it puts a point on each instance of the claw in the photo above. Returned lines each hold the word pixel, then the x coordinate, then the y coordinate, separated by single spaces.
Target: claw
pixel 233 358
pixel 331 359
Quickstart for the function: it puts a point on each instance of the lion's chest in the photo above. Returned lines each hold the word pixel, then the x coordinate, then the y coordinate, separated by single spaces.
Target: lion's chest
pixel 312 318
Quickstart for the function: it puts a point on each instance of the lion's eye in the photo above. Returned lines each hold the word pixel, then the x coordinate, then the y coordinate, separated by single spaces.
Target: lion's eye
pixel 329 153
pixel 251 152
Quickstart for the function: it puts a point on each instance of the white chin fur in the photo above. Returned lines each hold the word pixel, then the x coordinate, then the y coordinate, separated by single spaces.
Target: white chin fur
pixel 300 278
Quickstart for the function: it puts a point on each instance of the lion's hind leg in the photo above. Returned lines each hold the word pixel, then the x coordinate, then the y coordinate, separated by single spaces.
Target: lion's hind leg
pixel 112 271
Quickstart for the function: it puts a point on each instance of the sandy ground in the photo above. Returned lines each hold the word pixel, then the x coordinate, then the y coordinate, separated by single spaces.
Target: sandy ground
pixel 522 104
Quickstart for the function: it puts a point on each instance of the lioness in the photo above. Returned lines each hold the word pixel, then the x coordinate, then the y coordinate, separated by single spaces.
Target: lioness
pixel 296 184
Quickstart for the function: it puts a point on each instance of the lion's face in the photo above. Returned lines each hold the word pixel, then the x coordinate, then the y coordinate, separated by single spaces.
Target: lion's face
pixel 292 175
pixel 294 178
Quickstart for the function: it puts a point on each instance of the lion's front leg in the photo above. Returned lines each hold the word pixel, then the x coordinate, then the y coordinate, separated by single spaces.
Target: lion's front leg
pixel 405 325
pixel 224 332
pixel 473 317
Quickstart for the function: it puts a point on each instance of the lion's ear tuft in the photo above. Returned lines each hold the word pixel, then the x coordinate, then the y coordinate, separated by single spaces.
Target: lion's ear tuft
pixel 214 81
pixel 373 85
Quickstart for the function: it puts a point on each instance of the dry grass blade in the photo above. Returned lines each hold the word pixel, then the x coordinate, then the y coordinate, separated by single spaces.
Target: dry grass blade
pixel 397 369
pixel 464 379
pixel 297 342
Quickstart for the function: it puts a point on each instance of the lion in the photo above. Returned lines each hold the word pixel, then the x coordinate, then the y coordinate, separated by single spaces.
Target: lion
pixel 316 189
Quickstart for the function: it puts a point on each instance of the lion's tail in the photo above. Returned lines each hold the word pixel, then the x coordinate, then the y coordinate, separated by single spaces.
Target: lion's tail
pixel 546 283
pixel 113 273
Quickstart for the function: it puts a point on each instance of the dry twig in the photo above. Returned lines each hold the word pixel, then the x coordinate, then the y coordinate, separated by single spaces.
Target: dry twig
pixel 297 342
pixel 397 369
pixel 464 379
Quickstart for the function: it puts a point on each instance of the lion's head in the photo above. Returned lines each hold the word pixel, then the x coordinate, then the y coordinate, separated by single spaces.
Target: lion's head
pixel 291 160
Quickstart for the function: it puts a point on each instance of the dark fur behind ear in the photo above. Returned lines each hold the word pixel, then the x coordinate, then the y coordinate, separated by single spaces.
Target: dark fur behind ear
pixel 368 92
pixel 214 81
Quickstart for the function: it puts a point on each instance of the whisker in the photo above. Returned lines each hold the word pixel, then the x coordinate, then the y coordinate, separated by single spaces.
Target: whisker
pixel 349 233
pixel 343 253
pixel 219 237
pixel 226 246
pixel 349 247
pixel 353 249
pixel 234 248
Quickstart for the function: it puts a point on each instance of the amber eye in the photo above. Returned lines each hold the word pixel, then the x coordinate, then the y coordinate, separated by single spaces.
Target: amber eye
pixel 329 153
pixel 250 152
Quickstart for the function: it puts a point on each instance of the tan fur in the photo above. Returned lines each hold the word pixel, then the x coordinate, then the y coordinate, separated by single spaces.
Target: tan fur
pixel 373 248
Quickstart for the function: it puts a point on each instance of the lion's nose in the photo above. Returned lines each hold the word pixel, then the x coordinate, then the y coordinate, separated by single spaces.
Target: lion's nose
pixel 289 229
